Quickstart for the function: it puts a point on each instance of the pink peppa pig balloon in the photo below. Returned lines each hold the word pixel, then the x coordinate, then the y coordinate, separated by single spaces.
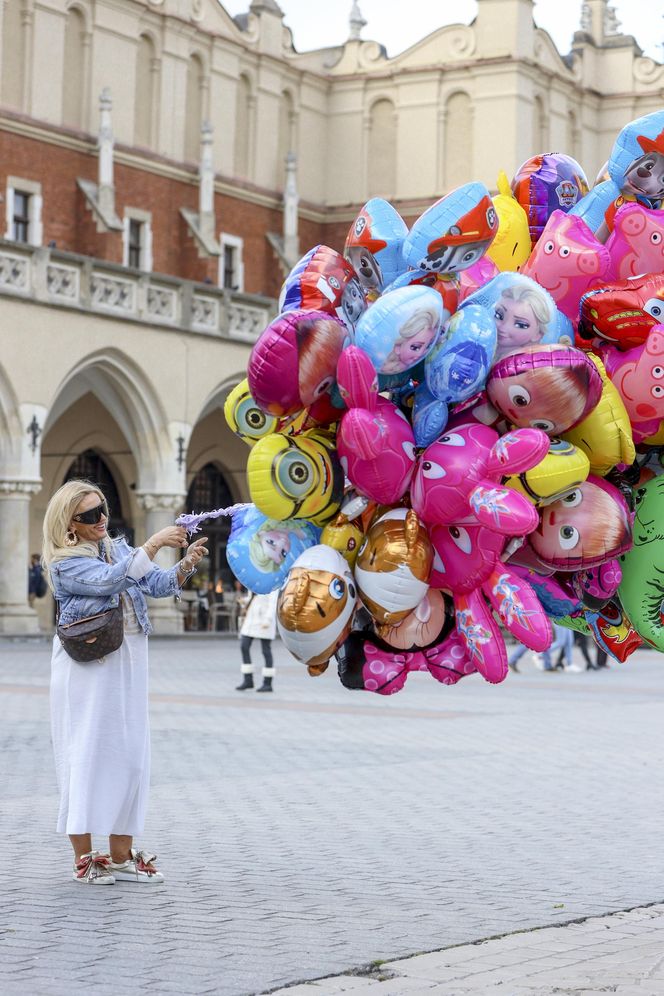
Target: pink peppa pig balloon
pixel 294 361
pixel 636 244
pixel 638 375
pixel 567 261
pixel 375 442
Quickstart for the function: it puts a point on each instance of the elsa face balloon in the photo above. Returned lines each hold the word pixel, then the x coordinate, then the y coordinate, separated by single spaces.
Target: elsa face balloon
pixel 400 329
pixel 261 551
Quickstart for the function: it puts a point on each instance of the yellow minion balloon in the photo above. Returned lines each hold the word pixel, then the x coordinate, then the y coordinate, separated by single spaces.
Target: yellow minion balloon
pixel 564 467
pixel 245 418
pixel 296 477
pixel 511 246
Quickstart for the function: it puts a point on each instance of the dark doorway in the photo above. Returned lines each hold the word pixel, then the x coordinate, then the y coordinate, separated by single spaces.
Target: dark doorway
pixel 90 466
pixel 207 491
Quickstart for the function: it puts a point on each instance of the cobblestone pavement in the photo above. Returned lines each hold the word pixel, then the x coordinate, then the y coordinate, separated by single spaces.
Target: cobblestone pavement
pixel 313 831
pixel 622 954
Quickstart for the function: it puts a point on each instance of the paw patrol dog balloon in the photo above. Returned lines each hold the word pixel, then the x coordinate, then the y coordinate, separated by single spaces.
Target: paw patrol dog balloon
pixel 293 363
pixel 400 329
pixel 324 281
pixel 393 566
pixel 316 606
pixel 454 232
pixel 261 551
pixel 373 246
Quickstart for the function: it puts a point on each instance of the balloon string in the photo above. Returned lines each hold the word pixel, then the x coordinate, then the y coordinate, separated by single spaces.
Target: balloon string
pixel 192 520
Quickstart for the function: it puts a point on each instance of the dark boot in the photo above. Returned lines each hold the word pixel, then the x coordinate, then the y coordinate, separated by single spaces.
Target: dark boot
pixel 267 684
pixel 247 682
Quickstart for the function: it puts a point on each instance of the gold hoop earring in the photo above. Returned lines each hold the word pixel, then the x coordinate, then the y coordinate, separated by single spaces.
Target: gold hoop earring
pixel 71 539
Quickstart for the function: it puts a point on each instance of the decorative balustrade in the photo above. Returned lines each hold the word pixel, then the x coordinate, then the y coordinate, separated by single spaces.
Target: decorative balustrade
pixel 67 280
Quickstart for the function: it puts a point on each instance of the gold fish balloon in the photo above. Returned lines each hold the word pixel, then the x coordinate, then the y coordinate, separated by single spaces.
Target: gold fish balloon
pixel 394 565
pixel 316 606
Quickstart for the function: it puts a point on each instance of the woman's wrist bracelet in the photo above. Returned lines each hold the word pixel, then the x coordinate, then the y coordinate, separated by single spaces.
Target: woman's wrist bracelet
pixel 151 548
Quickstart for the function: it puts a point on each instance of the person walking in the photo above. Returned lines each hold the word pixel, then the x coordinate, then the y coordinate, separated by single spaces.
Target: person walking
pixel 37 586
pixel 99 709
pixel 564 641
pixel 581 641
pixel 260 622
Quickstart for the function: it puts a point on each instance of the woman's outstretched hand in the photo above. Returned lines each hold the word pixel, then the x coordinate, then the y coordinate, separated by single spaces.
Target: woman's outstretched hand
pixel 195 552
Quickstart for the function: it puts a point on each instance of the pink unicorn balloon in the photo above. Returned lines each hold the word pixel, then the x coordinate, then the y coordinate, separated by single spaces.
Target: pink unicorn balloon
pixel 468 564
pixel 461 474
pixel 636 244
pixel 567 261
pixel 375 441
pixel 638 375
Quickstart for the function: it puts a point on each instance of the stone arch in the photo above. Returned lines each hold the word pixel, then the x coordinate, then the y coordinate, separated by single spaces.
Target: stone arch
pixel 145 89
pixel 124 390
pixel 74 79
pixel 382 148
pixel 11 434
pixel 458 147
pixel 212 441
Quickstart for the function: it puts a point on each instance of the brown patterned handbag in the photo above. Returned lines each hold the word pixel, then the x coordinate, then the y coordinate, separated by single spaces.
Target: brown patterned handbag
pixel 96 636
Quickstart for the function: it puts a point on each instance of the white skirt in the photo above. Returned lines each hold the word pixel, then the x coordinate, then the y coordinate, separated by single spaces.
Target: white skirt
pixel 101 739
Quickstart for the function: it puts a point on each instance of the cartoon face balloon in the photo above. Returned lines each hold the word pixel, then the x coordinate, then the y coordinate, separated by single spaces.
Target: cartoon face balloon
pixel 296 477
pixel 324 281
pixel 546 387
pixel 454 232
pixel 245 418
pixel 261 551
pixel 622 313
pixel 567 261
pixel 585 527
pixel 293 363
pixel 636 244
pixel 525 314
pixel 373 245
pixel 400 329
pixel 393 566
pixel 511 247
pixel 547 183
pixel 316 606
pixel 638 375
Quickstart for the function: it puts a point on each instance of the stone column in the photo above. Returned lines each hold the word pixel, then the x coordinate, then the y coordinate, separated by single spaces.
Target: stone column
pixel 161 510
pixel 291 201
pixel 16 616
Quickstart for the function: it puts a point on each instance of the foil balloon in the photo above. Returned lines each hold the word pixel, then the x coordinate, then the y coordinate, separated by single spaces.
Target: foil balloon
pixel 375 442
pixel 642 589
pixel 546 387
pixel 613 632
pixel 585 527
pixel 393 565
pixel 245 418
pixel 461 474
pixel 374 246
pixel 638 375
pixel 511 247
pixel 400 329
pixel 596 586
pixel 636 244
pixel 476 276
pixel 525 314
pixel 454 232
pixel 296 477
pixel 367 663
pixel 455 369
pixel 622 313
pixel 562 468
pixel 261 551
pixel 343 536
pixel 293 363
pixel 546 183
pixel 316 607
pixel 324 281
pixel 636 170
pixel 421 628
pixel 568 260
pixel 605 435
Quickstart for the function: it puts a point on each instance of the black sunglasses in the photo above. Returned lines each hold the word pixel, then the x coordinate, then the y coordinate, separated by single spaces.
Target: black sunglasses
pixel 93 515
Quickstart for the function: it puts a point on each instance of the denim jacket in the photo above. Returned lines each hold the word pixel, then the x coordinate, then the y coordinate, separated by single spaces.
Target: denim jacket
pixel 84 586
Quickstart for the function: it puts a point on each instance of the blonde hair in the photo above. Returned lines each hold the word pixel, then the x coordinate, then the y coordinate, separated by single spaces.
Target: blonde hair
pixel 541 307
pixel 422 320
pixel 59 512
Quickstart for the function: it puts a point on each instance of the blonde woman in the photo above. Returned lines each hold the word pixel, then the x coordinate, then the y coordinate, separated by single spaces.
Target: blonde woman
pixel 522 317
pixel 99 710
pixel 414 341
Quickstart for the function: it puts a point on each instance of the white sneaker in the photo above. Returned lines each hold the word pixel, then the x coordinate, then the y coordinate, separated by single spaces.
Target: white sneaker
pixel 574 669
pixel 94 869
pixel 138 868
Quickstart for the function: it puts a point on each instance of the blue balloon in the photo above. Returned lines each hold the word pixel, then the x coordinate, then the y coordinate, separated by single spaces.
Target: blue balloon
pixel 261 551
pixel 373 245
pixel 400 329
pixel 524 313
pixel 454 232
pixel 429 416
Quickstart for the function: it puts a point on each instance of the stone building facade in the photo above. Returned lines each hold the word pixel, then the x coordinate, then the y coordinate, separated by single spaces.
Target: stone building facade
pixel 162 165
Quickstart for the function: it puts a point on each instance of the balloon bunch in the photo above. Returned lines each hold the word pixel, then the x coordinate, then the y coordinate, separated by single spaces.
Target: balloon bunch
pixel 443 420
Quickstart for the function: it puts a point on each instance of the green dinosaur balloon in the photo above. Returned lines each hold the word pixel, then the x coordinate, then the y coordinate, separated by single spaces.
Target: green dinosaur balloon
pixel 642 587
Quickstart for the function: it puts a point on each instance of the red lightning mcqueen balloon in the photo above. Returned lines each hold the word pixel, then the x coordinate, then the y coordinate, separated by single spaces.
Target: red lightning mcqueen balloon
pixel 622 313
